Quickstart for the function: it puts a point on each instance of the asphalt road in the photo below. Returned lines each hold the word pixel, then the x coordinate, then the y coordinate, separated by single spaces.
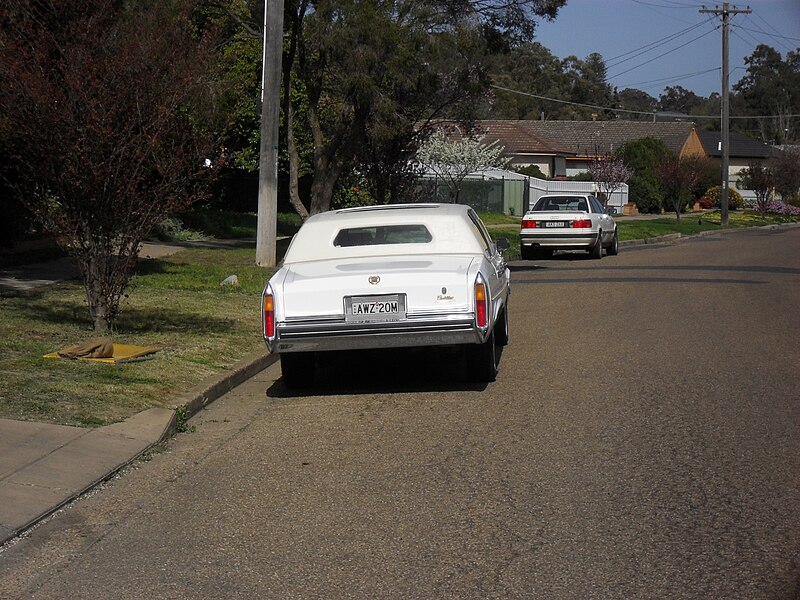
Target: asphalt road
pixel 642 441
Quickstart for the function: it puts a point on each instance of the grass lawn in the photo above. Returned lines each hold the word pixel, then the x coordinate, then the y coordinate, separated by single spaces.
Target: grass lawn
pixel 695 223
pixel 175 303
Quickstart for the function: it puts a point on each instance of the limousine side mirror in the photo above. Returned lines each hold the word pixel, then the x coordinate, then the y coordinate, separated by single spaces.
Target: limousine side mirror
pixel 611 210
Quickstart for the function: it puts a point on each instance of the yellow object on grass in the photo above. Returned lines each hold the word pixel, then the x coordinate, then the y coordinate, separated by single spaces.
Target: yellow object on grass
pixel 121 353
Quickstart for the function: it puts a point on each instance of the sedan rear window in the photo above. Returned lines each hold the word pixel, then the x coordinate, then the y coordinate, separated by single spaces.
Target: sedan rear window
pixel 561 203
pixel 382 234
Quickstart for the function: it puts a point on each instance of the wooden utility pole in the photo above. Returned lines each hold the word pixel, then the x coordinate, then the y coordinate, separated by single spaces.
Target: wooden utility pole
pixel 266 234
pixel 726 12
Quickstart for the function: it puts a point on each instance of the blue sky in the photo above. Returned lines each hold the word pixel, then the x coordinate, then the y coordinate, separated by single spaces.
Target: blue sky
pixel 631 36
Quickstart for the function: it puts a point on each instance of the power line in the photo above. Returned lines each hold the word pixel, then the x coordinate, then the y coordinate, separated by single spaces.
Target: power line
pixel 754 42
pixel 650 6
pixel 772 35
pixel 771 27
pixel 662 55
pixel 669 5
pixel 672 78
pixel 634 112
pixel 622 110
pixel 651 45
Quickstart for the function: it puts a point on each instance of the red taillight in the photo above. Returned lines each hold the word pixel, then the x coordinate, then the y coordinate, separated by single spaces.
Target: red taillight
pixel 527 224
pixel 481 305
pixel 582 224
pixel 269 316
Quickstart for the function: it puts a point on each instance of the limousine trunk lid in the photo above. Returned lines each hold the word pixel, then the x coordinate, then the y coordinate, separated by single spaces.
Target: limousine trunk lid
pixel 422 284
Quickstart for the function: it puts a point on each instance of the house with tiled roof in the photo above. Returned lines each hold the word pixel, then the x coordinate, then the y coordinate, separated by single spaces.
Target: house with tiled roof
pixel 565 148
pixel 742 150
pixel 586 140
pixel 523 147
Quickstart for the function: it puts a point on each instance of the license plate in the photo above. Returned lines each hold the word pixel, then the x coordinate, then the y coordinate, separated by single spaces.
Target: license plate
pixel 368 309
pixel 555 223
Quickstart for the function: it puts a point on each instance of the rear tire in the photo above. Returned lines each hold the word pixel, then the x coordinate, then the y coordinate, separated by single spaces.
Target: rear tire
pixel 527 252
pixel 596 251
pixel 482 361
pixel 501 328
pixel 613 249
pixel 297 369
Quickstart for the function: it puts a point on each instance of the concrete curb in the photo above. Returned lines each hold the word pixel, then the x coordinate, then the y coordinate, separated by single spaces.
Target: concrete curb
pixel 216 386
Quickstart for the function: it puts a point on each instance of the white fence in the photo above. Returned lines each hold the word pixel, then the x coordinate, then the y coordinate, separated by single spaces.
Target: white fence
pixel 540 187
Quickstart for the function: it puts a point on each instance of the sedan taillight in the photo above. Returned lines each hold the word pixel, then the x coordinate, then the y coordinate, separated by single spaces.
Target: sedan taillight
pixel 528 224
pixel 582 224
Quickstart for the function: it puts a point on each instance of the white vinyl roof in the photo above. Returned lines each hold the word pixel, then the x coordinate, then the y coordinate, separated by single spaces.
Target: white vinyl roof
pixel 451 229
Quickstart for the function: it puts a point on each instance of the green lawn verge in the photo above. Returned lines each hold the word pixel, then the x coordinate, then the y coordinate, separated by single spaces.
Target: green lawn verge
pixel 499 219
pixel 175 303
pixel 695 223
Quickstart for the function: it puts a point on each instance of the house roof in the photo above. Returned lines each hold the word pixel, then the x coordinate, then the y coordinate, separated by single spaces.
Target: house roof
pixel 516 138
pixel 593 138
pixel 740 146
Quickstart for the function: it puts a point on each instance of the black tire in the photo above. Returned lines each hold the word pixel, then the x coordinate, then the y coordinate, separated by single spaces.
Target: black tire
pixel 482 361
pixel 297 369
pixel 596 251
pixel 527 252
pixel 501 328
pixel 613 249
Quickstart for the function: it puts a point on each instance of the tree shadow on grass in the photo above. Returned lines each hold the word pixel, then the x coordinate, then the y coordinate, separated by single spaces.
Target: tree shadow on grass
pixel 130 320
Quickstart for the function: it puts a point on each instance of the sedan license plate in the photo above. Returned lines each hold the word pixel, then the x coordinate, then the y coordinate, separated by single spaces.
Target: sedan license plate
pixel 555 223
pixel 368 309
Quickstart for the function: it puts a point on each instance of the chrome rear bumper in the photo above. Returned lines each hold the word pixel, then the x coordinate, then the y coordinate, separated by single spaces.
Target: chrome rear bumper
pixel 324 335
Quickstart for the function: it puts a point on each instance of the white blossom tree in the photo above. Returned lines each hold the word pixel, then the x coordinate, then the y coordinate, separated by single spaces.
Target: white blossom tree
pixel 609 173
pixel 453 159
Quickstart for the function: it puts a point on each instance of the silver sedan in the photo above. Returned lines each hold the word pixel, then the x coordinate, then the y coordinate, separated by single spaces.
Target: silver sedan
pixel 567 222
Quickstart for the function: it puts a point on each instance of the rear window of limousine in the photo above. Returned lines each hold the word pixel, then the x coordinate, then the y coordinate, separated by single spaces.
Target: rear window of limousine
pixel 390 230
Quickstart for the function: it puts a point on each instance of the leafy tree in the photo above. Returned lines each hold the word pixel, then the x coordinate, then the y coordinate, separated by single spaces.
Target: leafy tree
pixel 610 173
pixel 454 157
pixel 104 105
pixel 373 72
pixel 532 171
pixel 633 99
pixel 531 68
pixel 760 179
pixel 771 87
pixel 786 172
pixel 678 177
pixel 586 84
pixel 643 156
pixel 679 99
